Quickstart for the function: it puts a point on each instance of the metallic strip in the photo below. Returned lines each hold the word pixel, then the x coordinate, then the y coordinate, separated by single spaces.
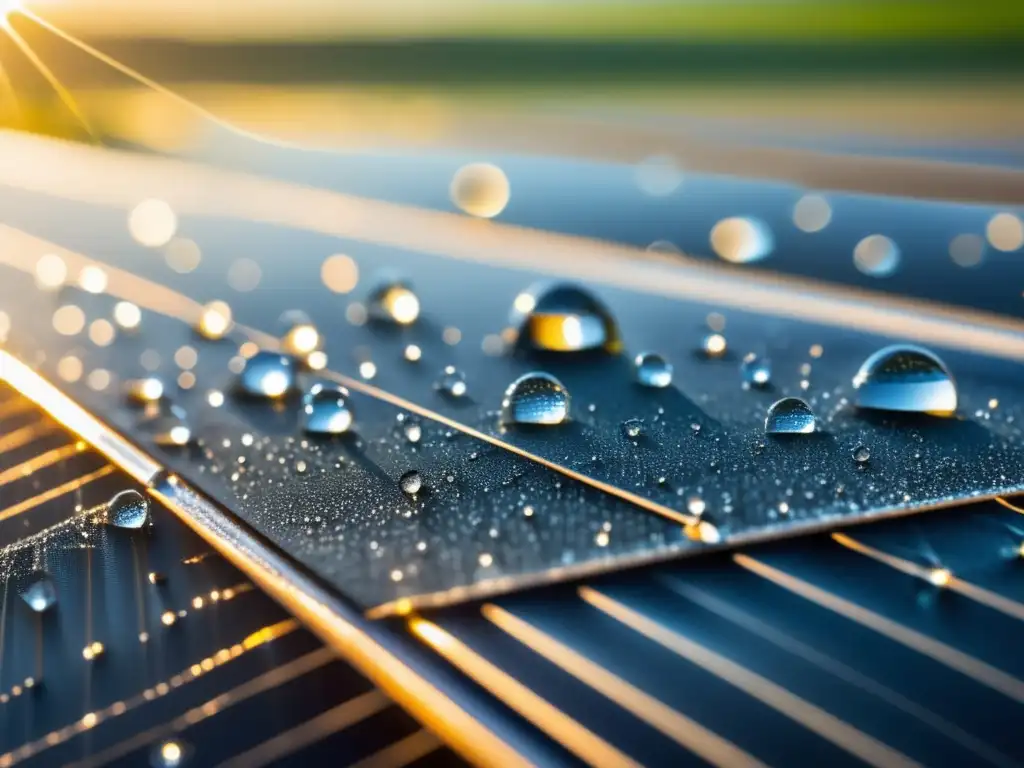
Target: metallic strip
pixel 813 718
pixel 582 742
pixel 56 492
pixel 24 435
pixel 986 597
pixel 686 732
pixel 401 753
pixel 313 730
pixel 944 654
pixel 41 461
pixel 838 669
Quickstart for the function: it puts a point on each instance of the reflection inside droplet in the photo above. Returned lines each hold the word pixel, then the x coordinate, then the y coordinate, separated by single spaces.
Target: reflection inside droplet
pixel 789 416
pixel 652 370
pixel 742 240
pixel 128 509
pixel 267 375
pixel 299 336
pixel 451 382
pixel 394 301
pixel 326 411
pixel 562 317
pixel 535 398
pixel 755 371
pixel 411 482
pixel 907 378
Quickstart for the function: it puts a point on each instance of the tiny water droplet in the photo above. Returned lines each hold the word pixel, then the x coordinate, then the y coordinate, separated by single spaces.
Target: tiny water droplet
pixel 267 375
pixel 413 432
pixel 562 317
pixel 906 378
pixel 128 509
pixel 714 345
pixel 756 371
pixel 39 592
pixel 789 416
pixel 652 370
pixel 633 427
pixel 299 336
pixel 451 382
pixel 411 482
pixel 535 398
pixel 325 410
pixel 168 425
pixel 394 301
pixel 861 454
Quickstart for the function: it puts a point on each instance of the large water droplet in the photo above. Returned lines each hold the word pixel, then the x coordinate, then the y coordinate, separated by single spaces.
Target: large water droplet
pixel 128 509
pixel 299 336
pixel 39 592
pixel 742 240
pixel 394 301
pixel 632 428
pixel 653 370
pixel 756 371
pixel 789 416
pixel 267 375
pixel 906 378
pixel 411 482
pixel 451 382
pixel 325 410
pixel 535 398
pixel 167 425
pixel 561 317
pixel 861 454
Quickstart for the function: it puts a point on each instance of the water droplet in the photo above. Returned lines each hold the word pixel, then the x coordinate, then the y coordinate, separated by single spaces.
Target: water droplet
pixel 215 321
pixel 39 592
pixel 413 432
pixel 168 425
pixel 633 428
pixel 906 378
pixel 299 336
pixel 144 391
pixel 451 382
pixel 742 240
pixel 411 482
pixel 756 371
pixel 861 454
pixel 876 255
pixel 480 189
pixel 325 410
pixel 789 416
pixel 394 301
pixel 169 754
pixel 535 398
pixel 128 509
pixel 653 370
pixel 714 345
pixel 267 375
pixel 561 317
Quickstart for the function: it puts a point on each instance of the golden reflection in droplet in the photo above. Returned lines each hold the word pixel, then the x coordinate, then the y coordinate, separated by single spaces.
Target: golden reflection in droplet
pixel 367 370
pixel 741 240
pixel 301 340
pixel 402 305
pixel 68 320
pixel 486 560
pixel 127 315
pixel 186 357
pixel 171 754
pixel 993 404
pixel 355 313
pixel 1005 232
pixel 244 275
pixel 69 368
pixel 101 332
pixel 339 273
pixel 940 577
pixel 451 336
pixel 5 325
pixel 715 345
pixel 812 213
pixel 480 189
pixel 316 361
pixel 215 398
pixel 51 272
pixel 150 359
pixel 152 223
pixel 967 250
pixel 92 279
pixel 98 380
pixel 413 353
pixel 186 380
pixel 182 255
pixel 215 320
pixel 147 390
pixel 816 350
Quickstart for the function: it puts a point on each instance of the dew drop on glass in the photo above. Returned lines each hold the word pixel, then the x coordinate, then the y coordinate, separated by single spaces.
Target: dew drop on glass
pixel 789 416
pixel 128 509
pixel 535 398
pixel 451 382
pixel 39 592
pixel 756 371
pixel 394 301
pixel 168 425
pixel 267 375
pixel 653 370
pixel 906 378
pixel 632 428
pixel 325 410
pixel 299 336
pixel 562 317
pixel 411 482
pixel 861 454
